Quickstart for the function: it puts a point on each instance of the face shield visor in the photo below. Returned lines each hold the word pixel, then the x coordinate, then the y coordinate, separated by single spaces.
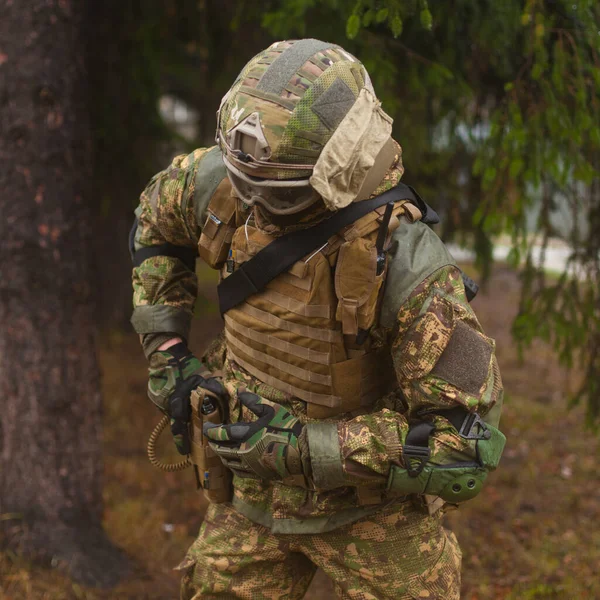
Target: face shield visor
pixel 279 197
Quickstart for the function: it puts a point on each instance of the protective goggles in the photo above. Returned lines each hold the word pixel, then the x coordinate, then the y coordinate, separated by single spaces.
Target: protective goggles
pixel 279 197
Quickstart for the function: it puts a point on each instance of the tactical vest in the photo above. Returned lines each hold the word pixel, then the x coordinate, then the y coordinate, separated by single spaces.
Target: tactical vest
pixel 307 333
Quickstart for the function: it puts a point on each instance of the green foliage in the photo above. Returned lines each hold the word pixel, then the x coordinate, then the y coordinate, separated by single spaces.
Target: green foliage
pixel 390 12
pixel 426 19
pixel 352 26
pixel 381 15
pixel 543 145
pixel 396 25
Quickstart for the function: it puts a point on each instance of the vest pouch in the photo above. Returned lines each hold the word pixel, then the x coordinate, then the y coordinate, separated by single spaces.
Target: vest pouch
pixel 218 231
pixel 356 283
pixel 367 313
pixel 359 382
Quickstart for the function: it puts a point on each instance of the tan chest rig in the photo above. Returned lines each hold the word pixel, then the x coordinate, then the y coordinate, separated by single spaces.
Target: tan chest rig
pixel 307 333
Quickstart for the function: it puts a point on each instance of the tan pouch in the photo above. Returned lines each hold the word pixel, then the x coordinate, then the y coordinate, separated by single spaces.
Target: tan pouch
pixel 218 230
pixel 356 285
pixel 359 382
pixel 367 313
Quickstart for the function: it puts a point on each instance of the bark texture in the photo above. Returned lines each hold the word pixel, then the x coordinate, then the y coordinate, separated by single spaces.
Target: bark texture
pixel 50 423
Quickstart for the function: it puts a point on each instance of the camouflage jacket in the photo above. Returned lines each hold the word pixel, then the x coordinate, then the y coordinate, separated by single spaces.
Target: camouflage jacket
pixel 441 357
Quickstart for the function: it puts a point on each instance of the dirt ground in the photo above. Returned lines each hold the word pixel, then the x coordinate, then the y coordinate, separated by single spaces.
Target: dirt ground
pixel 532 534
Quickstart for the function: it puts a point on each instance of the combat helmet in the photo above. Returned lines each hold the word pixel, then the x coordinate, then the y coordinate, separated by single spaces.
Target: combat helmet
pixel 302 123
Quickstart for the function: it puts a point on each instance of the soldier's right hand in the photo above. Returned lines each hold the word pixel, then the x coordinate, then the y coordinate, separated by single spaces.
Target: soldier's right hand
pixel 173 374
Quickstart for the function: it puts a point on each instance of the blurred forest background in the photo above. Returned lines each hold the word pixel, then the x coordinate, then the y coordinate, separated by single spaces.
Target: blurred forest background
pixel 497 107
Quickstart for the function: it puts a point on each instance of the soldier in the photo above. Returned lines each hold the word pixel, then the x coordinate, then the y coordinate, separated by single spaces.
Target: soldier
pixel 362 396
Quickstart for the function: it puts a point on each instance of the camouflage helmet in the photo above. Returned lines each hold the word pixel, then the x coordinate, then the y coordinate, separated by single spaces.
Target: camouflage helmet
pixel 282 112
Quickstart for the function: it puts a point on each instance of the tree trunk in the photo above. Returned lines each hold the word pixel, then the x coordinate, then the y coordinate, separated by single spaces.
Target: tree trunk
pixel 50 424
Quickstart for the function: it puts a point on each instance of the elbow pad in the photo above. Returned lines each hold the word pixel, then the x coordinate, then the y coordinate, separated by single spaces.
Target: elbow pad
pixel 456 482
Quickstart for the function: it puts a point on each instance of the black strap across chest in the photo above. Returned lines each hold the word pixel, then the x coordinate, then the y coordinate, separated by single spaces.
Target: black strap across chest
pixel 279 256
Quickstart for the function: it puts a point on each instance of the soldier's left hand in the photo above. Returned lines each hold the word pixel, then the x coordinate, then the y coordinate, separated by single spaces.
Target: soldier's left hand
pixel 267 448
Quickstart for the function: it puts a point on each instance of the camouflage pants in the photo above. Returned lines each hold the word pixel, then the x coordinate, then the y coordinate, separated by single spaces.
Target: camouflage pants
pixel 397 553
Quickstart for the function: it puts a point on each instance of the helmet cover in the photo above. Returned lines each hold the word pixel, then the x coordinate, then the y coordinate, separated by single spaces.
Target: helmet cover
pixel 279 115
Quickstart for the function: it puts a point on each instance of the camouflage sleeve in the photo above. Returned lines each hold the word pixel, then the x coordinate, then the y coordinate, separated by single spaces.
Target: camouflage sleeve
pixel 171 211
pixel 442 360
pixel 441 355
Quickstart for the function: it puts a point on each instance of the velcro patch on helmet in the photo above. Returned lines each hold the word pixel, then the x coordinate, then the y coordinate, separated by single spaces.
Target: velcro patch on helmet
pixel 333 104
pixel 283 68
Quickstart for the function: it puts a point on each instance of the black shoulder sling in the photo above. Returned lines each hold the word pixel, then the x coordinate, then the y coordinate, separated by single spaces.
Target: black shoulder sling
pixel 252 276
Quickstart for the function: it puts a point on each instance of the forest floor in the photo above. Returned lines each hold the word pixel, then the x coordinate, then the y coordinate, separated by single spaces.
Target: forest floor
pixel 532 534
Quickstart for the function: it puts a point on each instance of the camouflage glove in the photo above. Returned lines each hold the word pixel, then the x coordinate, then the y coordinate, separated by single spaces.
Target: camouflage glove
pixel 267 448
pixel 174 374
pixel 167 368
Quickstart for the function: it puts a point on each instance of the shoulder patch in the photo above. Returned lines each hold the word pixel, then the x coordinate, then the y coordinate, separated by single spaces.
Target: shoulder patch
pixel 465 362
